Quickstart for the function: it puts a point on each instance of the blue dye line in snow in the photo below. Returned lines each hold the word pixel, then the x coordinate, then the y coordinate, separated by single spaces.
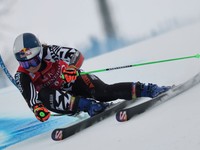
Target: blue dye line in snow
pixel 15 130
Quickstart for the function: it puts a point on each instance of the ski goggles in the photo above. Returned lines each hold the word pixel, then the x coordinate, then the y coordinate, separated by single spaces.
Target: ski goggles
pixel 34 62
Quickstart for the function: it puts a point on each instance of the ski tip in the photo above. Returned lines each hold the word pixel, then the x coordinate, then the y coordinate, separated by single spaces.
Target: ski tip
pixel 122 116
pixel 57 135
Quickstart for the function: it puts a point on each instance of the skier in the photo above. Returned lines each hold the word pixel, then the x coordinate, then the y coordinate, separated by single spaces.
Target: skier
pixel 48 79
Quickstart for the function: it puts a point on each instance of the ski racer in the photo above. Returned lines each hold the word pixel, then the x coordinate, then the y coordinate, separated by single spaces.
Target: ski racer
pixel 48 79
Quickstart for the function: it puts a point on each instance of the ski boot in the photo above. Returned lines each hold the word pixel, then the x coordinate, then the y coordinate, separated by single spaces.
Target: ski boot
pixel 92 107
pixel 149 90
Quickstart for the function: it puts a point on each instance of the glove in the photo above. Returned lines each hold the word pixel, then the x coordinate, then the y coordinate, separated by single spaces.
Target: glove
pixel 41 112
pixel 69 74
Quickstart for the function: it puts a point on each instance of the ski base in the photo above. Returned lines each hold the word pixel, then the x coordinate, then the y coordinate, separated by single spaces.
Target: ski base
pixel 127 113
pixel 63 133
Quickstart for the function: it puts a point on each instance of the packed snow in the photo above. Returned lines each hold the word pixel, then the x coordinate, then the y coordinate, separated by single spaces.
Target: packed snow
pixel 174 125
pixel 75 23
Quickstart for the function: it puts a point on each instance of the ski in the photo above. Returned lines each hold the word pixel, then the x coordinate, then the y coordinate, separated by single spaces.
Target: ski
pixel 127 113
pixel 63 133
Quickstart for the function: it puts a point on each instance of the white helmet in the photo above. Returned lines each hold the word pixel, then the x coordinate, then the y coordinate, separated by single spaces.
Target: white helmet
pixel 26 47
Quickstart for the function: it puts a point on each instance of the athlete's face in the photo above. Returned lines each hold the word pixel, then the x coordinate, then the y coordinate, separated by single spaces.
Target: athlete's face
pixel 32 65
pixel 34 69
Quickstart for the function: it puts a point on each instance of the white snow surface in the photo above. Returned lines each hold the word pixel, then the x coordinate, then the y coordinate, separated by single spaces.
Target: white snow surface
pixel 74 23
pixel 174 125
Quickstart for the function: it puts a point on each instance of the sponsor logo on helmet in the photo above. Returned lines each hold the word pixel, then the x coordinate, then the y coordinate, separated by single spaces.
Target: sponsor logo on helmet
pixel 25 52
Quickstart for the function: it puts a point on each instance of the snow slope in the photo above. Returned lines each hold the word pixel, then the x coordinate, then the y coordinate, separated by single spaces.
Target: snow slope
pixel 174 125
pixel 76 23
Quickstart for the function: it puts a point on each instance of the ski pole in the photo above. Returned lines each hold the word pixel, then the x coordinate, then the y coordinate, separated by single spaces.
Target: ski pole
pixel 141 64
pixel 7 73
